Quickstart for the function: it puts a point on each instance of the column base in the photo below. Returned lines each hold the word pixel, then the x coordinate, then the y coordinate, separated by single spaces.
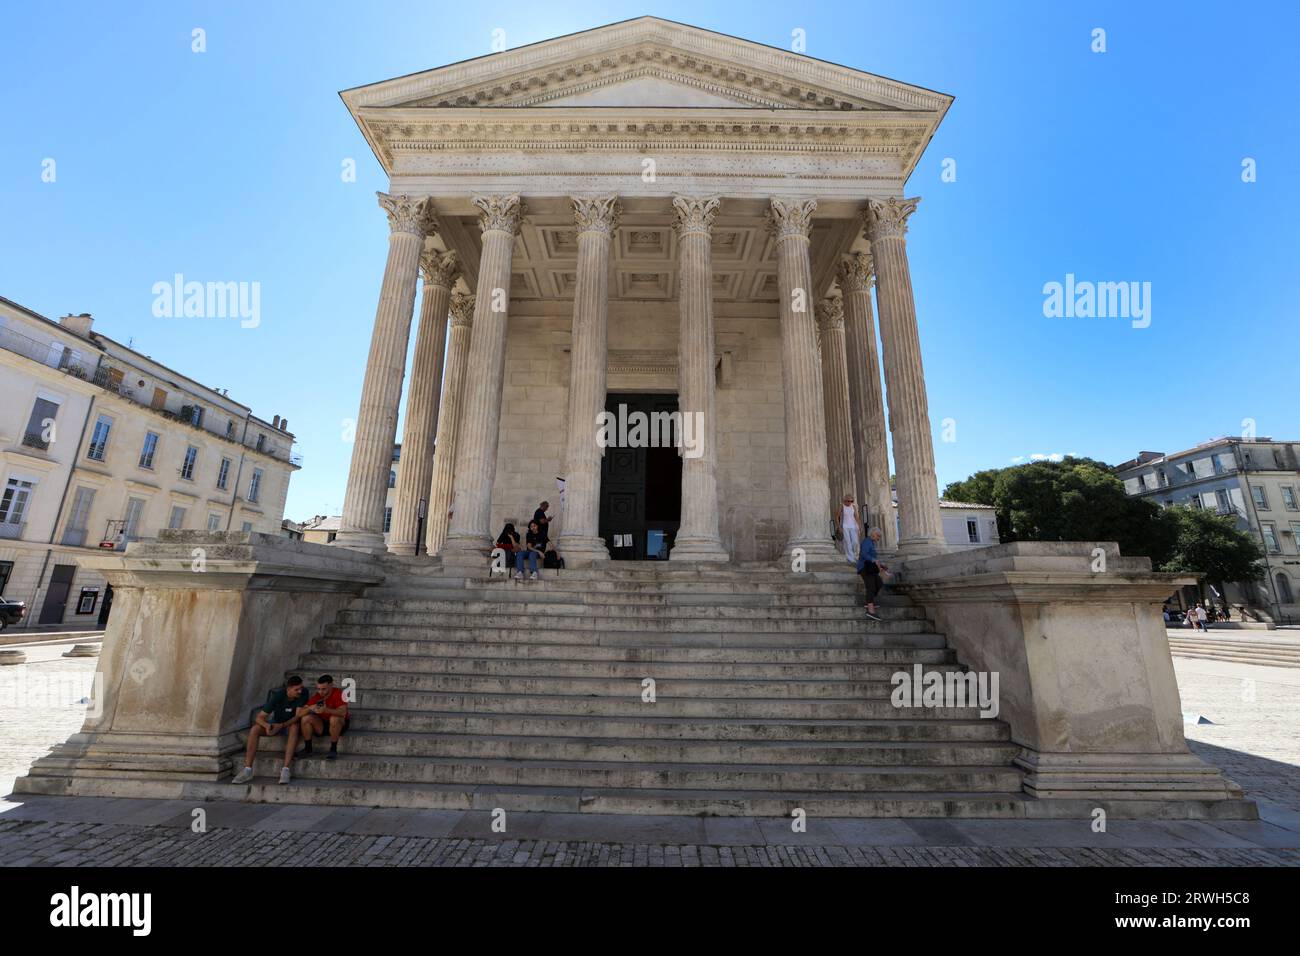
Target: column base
pixel 369 541
pixel 920 548
pixel 405 549
pixel 699 549
pixel 581 551
pixel 466 551
pixel 817 555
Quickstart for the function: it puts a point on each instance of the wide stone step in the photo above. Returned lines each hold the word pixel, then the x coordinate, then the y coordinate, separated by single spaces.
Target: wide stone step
pixel 366 663
pixel 777 708
pixel 630 611
pixel 611 622
pixel 666 686
pixel 359 643
pixel 529 592
pixel 641 802
pixel 781 778
pixel 880 635
pixel 678 728
pixel 361 744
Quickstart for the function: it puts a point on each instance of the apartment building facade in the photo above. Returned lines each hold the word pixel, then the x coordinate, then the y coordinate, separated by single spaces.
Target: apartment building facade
pixel 101 445
pixel 1258 482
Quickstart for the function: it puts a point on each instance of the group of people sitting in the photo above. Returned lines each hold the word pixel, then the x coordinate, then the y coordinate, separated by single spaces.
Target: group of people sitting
pixel 536 546
pixel 293 711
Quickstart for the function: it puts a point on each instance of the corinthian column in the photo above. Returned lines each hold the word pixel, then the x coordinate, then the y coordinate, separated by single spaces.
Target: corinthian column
pixel 422 397
pixel 476 443
pixel 580 540
pixel 866 398
pixel 697 536
pixel 805 416
pixel 362 524
pixel 449 414
pixel 835 388
pixel 909 412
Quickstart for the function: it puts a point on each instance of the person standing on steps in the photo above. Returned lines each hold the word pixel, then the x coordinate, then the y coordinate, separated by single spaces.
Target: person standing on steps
pixel 543 521
pixel 282 711
pixel 870 570
pixel 846 523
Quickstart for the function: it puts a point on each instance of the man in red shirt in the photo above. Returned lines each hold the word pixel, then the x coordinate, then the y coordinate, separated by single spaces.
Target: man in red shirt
pixel 325 707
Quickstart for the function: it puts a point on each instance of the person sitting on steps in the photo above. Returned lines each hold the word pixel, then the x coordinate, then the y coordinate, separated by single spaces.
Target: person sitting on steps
pixel 327 704
pixel 870 570
pixel 534 542
pixel 283 710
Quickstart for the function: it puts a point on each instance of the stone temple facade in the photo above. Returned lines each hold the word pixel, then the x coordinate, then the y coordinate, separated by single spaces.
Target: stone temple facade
pixel 657 217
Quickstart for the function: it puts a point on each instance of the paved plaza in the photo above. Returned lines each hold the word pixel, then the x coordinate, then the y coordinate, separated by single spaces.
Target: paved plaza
pixel 1253 734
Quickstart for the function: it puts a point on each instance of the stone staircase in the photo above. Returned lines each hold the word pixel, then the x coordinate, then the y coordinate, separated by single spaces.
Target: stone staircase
pixel 771 691
pixel 1237 648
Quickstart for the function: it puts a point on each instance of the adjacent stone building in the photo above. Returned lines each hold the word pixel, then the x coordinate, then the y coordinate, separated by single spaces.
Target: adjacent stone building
pixel 101 446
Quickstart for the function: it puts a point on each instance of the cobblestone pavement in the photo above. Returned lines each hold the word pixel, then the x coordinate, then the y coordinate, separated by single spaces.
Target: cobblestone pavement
pixel 1254 735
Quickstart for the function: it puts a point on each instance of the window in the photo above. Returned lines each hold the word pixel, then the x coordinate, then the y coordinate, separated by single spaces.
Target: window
pixel 1284 595
pixel 392 479
pixel 187 467
pixel 1270 536
pixel 1164 478
pixel 261 441
pixel 1224 506
pixel 131 523
pixel 79 520
pixel 1142 482
pixel 1288 498
pixel 1277 459
pixel 1261 499
pixel 973 530
pixel 388 520
pixel 177 519
pixel 147 452
pixel 196 415
pixel 1190 469
pixel 230 428
pixel 99 438
pixel 223 474
pixel 6 569
pixel 248 526
pixel 255 485
pixel 1196 502
pixel 13 505
pixel 40 427
pixel 214 522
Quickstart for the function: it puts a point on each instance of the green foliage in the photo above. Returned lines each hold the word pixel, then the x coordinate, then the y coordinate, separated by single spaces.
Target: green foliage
pixel 1211 544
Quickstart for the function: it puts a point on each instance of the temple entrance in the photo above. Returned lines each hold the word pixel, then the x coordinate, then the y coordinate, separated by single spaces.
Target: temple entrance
pixel 640 477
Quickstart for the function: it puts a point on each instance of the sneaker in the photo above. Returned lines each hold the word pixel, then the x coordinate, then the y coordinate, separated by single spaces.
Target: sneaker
pixel 533 576
pixel 333 754
pixel 872 615
pixel 284 775
pixel 244 776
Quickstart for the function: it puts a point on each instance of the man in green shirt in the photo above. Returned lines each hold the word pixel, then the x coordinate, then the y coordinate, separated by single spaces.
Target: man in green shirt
pixel 282 712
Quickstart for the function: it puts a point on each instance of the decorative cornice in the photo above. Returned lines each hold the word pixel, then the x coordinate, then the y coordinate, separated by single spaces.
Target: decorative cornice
pixel 887 218
pixel 500 213
pixel 856 272
pixel 830 315
pixel 790 218
pixel 440 268
pixel 596 214
pixel 695 214
pixel 462 310
pixel 407 214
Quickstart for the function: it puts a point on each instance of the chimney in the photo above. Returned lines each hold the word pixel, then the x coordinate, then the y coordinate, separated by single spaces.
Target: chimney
pixel 78 324
pixel 284 424
pixel 276 424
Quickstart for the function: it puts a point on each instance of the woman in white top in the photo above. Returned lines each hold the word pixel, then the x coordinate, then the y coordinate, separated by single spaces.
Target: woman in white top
pixel 849 527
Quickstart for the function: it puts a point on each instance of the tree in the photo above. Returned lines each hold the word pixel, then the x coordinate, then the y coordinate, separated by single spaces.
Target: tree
pixel 1076 499
pixel 1212 545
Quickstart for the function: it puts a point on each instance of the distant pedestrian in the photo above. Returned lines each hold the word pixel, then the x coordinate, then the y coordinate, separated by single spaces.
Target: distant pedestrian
pixel 870 570
pixel 1226 612
pixel 1202 617
pixel 846 522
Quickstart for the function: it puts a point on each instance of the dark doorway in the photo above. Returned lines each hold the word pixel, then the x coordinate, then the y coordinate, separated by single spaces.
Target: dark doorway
pixel 56 595
pixel 641 487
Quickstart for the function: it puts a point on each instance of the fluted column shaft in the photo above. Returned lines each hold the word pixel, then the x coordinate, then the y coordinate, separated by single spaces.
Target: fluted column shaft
pixel 697 535
pixel 476 443
pixel 866 399
pixel 362 523
pixel 579 540
pixel 805 415
pixel 909 414
pixel 835 388
pixel 422 400
pixel 449 414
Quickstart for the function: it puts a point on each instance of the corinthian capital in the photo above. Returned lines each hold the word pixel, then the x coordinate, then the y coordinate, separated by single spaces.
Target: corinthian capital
pixel 596 213
pixel 856 272
pixel 791 217
pixel 439 268
pixel 462 309
pixel 503 213
pixel 830 315
pixel 407 214
pixel 887 218
pixel 695 214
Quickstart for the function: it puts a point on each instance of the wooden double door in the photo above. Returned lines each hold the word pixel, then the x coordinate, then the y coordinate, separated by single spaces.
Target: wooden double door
pixel 640 483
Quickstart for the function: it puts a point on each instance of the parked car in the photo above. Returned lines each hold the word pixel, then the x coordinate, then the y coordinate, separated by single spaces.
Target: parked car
pixel 11 612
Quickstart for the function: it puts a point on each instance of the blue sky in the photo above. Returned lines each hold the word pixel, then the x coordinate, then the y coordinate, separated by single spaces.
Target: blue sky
pixel 1116 166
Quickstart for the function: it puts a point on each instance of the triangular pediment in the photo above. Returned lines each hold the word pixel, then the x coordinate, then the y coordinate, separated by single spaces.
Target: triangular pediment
pixel 647 62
